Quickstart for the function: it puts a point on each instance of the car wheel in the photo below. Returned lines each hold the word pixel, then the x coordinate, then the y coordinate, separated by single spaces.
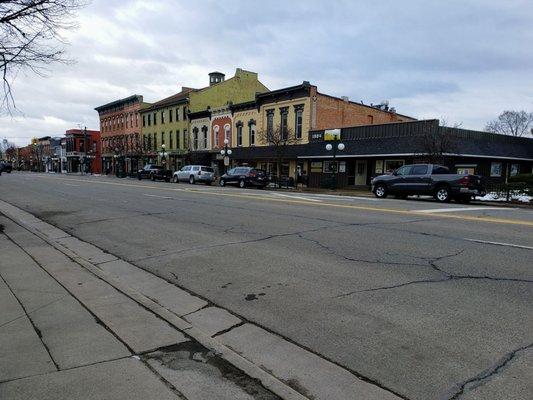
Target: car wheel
pixel 175 179
pixel 380 191
pixel 191 180
pixel 442 194
pixel 242 184
pixel 222 182
pixel 152 177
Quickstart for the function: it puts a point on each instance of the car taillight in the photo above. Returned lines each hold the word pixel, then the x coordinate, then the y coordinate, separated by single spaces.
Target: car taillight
pixel 464 181
pixel 252 174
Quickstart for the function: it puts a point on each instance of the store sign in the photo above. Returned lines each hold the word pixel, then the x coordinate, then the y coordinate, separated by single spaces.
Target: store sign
pixel 332 134
pixel 316 166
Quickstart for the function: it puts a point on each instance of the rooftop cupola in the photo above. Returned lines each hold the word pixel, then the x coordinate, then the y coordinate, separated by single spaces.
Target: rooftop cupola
pixel 216 77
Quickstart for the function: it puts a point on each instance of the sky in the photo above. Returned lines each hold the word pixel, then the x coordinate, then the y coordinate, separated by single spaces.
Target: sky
pixel 464 61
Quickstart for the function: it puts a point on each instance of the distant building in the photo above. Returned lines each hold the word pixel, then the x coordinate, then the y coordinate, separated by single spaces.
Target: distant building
pixel 83 151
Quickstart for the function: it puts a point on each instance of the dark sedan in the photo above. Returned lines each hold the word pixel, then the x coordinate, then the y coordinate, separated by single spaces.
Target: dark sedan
pixel 244 176
pixel 155 173
pixel 5 167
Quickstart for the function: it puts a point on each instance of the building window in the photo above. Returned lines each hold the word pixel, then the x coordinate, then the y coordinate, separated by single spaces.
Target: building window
pixel 239 133
pixel 270 124
pixel 144 121
pixel 184 112
pixel 204 130
pixel 185 139
pixel 370 119
pixel 284 112
pixel 251 132
pixel 155 119
pixel 149 119
pixel 393 165
pixel 298 121
pixel 163 117
pixel 195 138
pixel 162 138
pixel 177 114
pixel 515 169
pixel 136 119
pixel 169 115
pixel 178 144
pixel 496 169
pixel 216 129
pixel 227 133
pixel 155 141
pixel 170 140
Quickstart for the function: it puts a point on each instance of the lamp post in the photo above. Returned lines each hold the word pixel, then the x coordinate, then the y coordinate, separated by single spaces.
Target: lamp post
pixel 226 153
pixel 163 154
pixel 335 146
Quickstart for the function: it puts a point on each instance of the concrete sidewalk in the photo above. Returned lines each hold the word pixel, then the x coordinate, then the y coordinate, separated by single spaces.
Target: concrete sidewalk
pixel 66 334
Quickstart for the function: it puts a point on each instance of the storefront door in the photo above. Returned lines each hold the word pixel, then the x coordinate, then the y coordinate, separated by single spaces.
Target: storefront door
pixel 360 172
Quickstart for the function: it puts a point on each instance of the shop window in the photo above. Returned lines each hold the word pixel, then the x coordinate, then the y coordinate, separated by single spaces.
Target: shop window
pixel 515 169
pixel 463 169
pixel 330 167
pixel 378 169
pixel 496 169
pixel 392 165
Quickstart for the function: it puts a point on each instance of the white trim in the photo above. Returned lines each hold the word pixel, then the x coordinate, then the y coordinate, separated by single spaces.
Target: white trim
pixel 495 157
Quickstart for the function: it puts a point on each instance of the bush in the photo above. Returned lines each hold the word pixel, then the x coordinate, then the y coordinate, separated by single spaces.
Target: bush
pixel 522 178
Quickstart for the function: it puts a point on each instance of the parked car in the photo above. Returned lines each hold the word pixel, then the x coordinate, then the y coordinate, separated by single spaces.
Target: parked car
pixel 245 176
pixel 5 166
pixel 194 173
pixel 428 179
pixel 155 173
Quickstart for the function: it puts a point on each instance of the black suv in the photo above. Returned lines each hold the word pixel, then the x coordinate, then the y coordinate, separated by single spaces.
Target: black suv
pixel 154 172
pixel 244 176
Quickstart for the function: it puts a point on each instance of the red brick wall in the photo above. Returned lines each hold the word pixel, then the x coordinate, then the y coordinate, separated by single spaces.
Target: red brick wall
pixel 220 122
pixel 337 113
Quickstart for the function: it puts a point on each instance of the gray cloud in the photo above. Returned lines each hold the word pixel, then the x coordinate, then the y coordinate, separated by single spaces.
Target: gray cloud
pixel 464 60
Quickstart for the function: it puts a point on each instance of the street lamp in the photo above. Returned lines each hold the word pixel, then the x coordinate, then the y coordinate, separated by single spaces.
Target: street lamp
pixel 335 146
pixel 163 154
pixel 226 153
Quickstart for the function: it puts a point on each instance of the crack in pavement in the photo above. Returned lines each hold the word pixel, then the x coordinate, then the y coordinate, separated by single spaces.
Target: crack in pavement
pixel 447 278
pixel 481 378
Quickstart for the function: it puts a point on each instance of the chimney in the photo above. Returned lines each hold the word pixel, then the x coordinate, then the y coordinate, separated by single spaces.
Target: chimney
pixel 216 77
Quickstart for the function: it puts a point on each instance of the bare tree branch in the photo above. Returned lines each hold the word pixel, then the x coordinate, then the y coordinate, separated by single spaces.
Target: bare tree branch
pixel 512 123
pixel 31 38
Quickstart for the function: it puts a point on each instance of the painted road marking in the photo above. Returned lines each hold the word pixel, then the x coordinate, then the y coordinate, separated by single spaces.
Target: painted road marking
pixel 443 210
pixel 155 195
pixel 329 205
pixel 70 184
pixel 500 244
pixel 296 197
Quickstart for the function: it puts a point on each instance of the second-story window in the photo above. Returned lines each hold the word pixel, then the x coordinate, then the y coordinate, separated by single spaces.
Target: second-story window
pixel 170 139
pixel 284 111
pixel 270 124
pixel 177 114
pixel 169 115
pixel 298 122
pixel 149 119
pixel 204 130
pixel 239 133
pixel 216 129
pixel 144 121
pixel 162 138
pixel 195 138
pixel 155 141
pixel 136 119
pixel 227 133
pixel 251 132
pixel 163 117
pixel 155 119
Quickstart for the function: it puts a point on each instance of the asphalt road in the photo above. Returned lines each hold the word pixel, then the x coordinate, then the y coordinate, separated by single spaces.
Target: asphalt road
pixel 430 302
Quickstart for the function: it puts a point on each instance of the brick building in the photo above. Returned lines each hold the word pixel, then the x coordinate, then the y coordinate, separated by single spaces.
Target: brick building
pixel 83 151
pixel 120 128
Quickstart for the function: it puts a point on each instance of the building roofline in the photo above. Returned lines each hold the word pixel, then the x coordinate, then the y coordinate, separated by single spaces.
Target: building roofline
pixel 115 103
pixel 365 105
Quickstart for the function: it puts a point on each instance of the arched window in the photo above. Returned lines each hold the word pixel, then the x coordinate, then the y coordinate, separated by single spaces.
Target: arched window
pixel 251 132
pixel 227 133
pixel 239 133
pixel 216 128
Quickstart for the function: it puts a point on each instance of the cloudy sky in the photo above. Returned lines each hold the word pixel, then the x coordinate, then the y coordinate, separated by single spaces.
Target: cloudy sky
pixel 463 60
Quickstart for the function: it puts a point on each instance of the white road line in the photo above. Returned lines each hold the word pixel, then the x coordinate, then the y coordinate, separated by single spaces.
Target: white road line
pixel 70 184
pixel 297 197
pixel 499 243
pixel 443 210
pixel 155 195
pixel 334 196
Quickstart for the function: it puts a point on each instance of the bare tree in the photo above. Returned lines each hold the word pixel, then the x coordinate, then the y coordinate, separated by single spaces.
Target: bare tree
pixel 279 139
pixel 8 150
pixel 436 142
pixel 30 38
pixel 512 123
